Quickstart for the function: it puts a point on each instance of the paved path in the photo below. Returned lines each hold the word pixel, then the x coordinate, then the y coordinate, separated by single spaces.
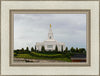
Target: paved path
pixel 34 60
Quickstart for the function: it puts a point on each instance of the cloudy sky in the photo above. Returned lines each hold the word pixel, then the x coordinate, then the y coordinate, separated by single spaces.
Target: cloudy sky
pixel 32 28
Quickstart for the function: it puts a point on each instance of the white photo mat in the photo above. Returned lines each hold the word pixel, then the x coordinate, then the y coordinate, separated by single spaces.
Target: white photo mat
pixel 6 6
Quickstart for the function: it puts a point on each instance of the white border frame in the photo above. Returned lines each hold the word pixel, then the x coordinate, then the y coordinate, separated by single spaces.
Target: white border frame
pixel 87 70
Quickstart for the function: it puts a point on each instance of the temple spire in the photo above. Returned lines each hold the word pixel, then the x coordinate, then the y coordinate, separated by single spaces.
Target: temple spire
pixel 50 34
pixel 50 25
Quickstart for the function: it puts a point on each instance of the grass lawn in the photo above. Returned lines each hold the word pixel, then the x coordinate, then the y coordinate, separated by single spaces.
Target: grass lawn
pixel 44 56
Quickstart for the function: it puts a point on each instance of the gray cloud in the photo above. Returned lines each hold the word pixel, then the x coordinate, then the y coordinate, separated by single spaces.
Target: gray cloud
pixel 32 28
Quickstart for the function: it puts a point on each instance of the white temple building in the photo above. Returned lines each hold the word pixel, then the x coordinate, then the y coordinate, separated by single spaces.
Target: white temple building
pixel 51 43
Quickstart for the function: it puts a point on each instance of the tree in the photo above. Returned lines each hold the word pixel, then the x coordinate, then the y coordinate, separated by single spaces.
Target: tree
pixel 66 49
pixel 72 49
pixel 32 49
pixel 27 49
pixel 43 49
pixel 77 50
pixel 35 48
pixel 82 50
pixel 62 48
pixel 22 49
pixel 56 49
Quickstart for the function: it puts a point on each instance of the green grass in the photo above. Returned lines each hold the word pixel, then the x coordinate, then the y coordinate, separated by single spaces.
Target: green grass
pixel 46 55
pixel 24 56
pixel 43 56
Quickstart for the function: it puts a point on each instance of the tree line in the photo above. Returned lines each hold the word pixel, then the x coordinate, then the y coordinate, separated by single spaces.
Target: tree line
pixel 71 50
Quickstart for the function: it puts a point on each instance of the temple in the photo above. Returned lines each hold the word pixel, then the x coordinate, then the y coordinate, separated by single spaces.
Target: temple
pixel 50 43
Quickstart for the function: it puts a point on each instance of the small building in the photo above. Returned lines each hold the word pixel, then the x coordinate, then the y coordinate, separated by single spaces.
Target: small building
pixel 78 58
pixel 50 43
